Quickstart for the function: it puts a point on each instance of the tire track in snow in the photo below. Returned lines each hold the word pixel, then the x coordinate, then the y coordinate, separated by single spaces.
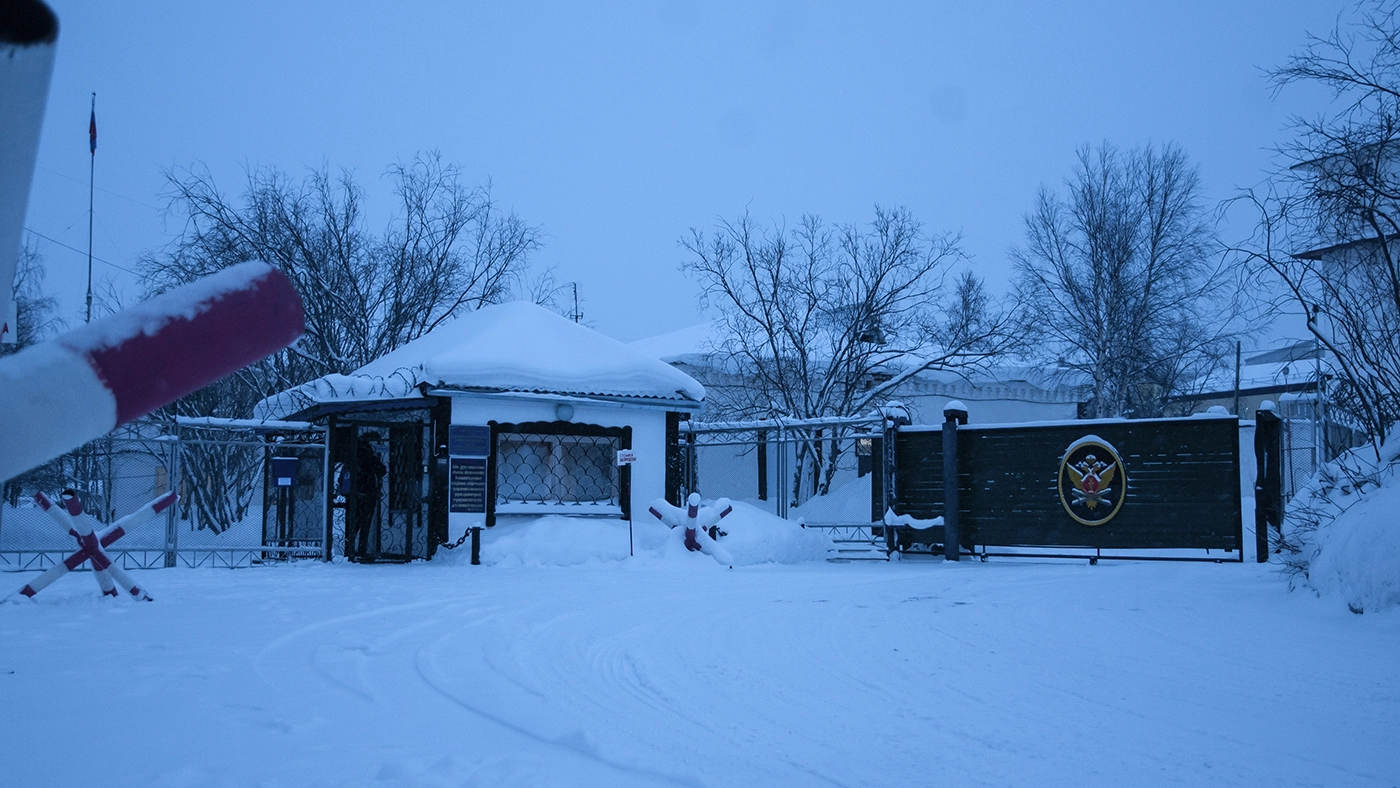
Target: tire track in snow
pixel 342 666
pixel 432 677
pixel 591 667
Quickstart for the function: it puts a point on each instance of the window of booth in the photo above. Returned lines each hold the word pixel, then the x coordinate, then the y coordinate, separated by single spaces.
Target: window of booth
pixel 559 467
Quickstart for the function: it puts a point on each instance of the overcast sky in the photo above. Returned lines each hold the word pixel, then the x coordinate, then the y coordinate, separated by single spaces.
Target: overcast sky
pixel 617 126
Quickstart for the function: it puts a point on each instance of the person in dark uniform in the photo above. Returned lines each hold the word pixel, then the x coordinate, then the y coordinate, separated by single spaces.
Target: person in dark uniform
pixel 369 472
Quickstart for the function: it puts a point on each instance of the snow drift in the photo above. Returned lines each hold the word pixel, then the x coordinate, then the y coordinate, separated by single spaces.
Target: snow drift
pixel 1340 530
pixel 753 537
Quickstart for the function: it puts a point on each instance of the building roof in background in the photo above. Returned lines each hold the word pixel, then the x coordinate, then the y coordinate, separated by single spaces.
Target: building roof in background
pixel 1292 366
pixel 685 346
pixel 694 347
pixel 515 347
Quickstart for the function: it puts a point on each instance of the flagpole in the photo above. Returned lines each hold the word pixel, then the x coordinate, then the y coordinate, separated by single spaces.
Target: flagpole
pixel 92 169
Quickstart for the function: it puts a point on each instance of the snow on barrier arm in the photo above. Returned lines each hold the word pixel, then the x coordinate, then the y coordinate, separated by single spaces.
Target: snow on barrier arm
pixel 28 40
pixel 60 394
pixel 696 521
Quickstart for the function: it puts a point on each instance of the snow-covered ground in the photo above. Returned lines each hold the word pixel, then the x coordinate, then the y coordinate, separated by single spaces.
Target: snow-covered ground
pixel 668 669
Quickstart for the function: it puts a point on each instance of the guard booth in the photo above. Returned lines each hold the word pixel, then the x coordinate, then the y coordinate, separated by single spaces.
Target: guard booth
pixel 540 407
pixel 388 500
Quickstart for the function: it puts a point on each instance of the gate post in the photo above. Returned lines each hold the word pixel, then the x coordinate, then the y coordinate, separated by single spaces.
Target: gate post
pixel 1268 479
pixel 954 413
pixel 327 494
pixel 784 496
pixel 172 538
pixel 894 415
pixel 691 471
pixel 762 452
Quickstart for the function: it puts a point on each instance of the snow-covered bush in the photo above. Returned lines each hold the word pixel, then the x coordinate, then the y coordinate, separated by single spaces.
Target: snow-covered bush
pixel 1340 534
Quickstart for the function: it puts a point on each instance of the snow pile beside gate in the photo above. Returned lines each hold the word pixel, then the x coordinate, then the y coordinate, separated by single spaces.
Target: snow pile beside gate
pixel 554 541
pixel 754 537
pixel 757 537
pixel 1342 532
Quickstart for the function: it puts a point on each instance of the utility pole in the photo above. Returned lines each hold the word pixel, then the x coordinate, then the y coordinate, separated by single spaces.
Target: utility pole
pixel 92 169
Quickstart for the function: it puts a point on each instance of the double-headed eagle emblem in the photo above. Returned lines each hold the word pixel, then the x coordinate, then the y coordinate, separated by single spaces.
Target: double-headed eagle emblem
pixel 1092 481
pixel 1091 477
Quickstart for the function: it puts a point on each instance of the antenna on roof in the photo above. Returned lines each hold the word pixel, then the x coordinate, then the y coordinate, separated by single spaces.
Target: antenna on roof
pixel 575 315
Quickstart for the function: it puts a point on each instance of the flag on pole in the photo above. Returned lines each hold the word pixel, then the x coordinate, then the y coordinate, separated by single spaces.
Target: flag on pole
pixel 92 133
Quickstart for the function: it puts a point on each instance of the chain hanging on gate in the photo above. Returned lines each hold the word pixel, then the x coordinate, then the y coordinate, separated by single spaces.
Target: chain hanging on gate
pixel 474 533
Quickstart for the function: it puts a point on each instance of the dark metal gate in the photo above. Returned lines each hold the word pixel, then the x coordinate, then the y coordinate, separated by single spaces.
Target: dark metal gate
pixel 382 500
pixel 1149 484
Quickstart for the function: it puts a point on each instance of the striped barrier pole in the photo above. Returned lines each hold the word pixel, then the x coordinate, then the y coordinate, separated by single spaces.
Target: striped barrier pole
pixel 67 517
pixel 79 525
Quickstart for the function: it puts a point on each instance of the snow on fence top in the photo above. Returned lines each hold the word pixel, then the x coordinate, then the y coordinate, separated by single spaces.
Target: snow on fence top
pixel 506 347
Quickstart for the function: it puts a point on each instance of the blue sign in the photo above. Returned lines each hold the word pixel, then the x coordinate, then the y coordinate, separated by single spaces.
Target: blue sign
pixel 284 471
pixel 464 440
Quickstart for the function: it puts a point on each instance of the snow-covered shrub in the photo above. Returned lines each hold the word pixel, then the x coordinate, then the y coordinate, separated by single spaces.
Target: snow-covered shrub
pixel 1341 536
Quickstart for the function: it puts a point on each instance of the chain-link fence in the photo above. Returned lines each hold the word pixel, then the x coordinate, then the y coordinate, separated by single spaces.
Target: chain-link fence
pixel 233 508
pixel 1312 437
pixel 818 470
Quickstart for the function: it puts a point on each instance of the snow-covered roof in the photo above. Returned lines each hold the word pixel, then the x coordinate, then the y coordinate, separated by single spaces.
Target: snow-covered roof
pixel 516 347
pixel 1295 363
pixel 689 345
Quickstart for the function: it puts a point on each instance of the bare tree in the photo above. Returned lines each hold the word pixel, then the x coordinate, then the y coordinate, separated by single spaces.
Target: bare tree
pixel 1118 279
pixel 35 316
pixel 827 320
pixel 448 249
pixel 1329 217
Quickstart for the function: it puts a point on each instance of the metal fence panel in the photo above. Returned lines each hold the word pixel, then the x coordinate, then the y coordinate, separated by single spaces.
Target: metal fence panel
pixel 817 470
pixel 225 515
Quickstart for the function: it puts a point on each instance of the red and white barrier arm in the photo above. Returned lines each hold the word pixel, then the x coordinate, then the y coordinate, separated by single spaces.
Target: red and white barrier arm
pixel 60 394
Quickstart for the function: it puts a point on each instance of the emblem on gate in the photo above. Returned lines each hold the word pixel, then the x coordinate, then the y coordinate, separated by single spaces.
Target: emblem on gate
pixel 1092 480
